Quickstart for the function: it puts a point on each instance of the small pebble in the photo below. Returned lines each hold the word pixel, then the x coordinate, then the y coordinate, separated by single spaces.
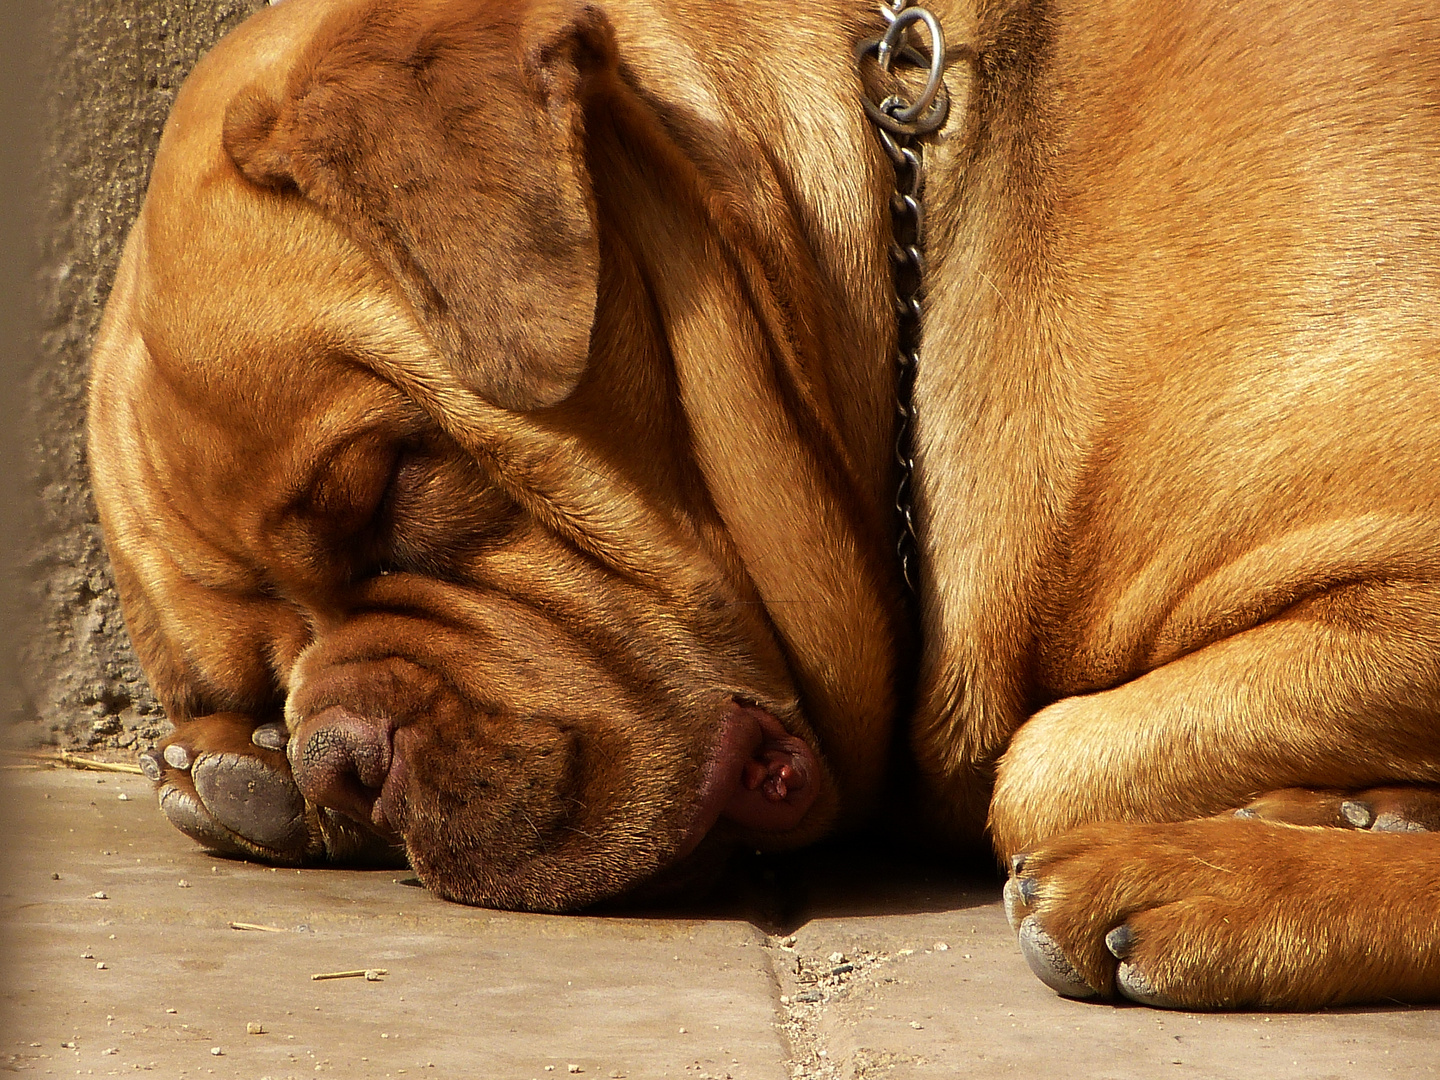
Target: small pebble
pixel 374 975
pixel 940 946
pixel 170 1011
pixel 682 1031
pixel 183 883
pixel 67 1046
pixel 216 1051
pixel 54 877
pixel 111 1050
pixel 837 958
pixel 573 1068
pixel 916 1024
pixel 806 996
pixel 87 955
pixel 252 1028
pixel 99 896
pixel 101 966
pixel 123 797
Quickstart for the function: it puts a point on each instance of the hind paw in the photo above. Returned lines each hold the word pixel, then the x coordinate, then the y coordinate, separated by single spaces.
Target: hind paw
pixel 1385 809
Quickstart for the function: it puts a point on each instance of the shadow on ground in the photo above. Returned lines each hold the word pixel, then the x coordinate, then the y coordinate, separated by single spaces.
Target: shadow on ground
pixel 862 875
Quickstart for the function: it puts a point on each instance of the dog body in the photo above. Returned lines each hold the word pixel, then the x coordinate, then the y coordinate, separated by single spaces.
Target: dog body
pixel 492 430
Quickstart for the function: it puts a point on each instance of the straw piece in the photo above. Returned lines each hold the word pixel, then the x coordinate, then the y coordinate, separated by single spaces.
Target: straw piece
pixel 66 760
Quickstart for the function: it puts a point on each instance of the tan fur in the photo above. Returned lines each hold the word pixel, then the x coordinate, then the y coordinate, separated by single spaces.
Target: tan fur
pixel 574 320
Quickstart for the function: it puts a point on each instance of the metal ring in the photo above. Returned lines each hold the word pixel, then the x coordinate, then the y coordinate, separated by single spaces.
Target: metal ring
pixel 894 36
pixel 895 8
pixel 887 114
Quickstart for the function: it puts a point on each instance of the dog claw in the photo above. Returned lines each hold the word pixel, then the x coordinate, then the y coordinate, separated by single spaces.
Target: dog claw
pixel 177 757
pixel 1120 941
pixel 1019 894
pixel 1049 963
pixel 1027 889
pixel 150 765
pixel 1358 814
pixel 272 736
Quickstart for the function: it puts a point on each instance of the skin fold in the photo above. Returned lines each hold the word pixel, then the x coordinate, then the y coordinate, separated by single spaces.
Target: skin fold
pixel 491 428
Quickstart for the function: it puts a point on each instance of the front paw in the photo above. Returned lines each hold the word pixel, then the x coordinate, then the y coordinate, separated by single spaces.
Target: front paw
pixel 1221 913
pixel 226 783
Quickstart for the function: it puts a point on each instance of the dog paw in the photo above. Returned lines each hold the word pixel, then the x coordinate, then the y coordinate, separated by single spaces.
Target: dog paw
pixel 1219 913
pixel 1388 809
pixel 226 783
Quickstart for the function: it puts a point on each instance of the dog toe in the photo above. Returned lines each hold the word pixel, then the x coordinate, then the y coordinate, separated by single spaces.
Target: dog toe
pixel 1134 985
pixel 185 811
pixel 1405 809
pixel 259 803
pixel 1049 962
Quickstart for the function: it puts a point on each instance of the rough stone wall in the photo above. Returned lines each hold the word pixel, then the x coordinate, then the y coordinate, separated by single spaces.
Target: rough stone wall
pixel 113 67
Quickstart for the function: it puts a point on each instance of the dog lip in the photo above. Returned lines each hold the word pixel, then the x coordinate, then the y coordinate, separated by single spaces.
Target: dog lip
pixel 388 812
pixel 740 734
pixel 744 730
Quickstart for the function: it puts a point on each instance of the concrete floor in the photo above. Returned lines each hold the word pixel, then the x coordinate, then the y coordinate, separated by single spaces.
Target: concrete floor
pixel 872 967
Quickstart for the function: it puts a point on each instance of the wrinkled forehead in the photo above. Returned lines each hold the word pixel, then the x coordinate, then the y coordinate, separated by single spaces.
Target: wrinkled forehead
pixel 212 412
pixel 260 319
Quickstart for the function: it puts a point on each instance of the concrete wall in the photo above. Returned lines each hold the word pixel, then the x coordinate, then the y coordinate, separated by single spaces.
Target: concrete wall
pixel 112 70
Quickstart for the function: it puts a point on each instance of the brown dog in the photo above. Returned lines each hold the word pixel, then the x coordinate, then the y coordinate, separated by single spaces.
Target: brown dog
pixel 492 424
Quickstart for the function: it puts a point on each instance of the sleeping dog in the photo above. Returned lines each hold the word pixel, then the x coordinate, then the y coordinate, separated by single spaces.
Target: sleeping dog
pixel 492 426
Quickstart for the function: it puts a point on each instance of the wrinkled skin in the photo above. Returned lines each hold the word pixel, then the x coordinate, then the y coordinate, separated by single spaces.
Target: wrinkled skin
pixel 424 554
pixel 491 426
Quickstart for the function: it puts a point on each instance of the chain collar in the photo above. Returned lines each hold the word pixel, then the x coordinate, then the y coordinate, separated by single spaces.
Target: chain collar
pixel 900 124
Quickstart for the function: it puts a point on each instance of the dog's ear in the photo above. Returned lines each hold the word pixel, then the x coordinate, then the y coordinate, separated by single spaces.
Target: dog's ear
pixel 447 136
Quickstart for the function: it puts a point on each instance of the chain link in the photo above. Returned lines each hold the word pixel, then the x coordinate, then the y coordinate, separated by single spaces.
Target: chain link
pixel 899 124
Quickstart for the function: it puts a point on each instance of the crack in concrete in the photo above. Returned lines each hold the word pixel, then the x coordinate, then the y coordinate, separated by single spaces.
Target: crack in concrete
pixel 806 985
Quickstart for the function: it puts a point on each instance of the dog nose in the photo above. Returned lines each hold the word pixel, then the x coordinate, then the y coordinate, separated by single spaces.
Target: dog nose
pixel 340 761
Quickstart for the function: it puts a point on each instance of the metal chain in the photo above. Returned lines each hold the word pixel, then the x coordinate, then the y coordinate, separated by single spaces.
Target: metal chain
pixel 900 124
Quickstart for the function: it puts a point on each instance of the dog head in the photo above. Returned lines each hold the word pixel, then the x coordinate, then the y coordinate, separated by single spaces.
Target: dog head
pixel 446 407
